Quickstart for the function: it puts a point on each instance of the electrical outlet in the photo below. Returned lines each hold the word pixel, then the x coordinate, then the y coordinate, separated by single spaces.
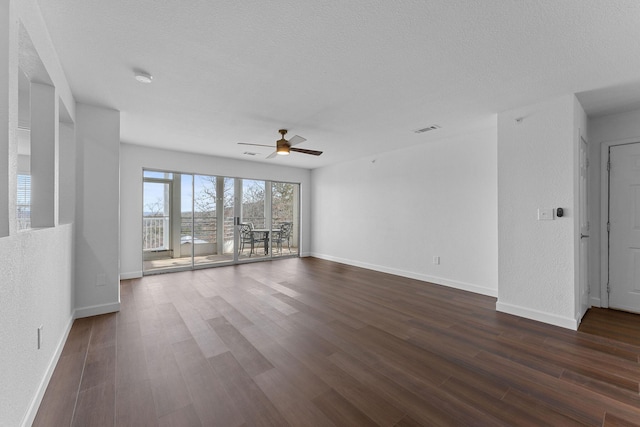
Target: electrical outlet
pixel 40 337
pixel 436 260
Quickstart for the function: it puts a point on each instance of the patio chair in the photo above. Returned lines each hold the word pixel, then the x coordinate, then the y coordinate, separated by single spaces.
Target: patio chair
pixel 284 235
pixel 248 236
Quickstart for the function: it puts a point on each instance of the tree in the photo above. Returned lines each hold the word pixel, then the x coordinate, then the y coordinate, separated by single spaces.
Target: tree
pixel 205 206
pixel 205 200
pixel 253 196
pixel 154 209
pixel 282 201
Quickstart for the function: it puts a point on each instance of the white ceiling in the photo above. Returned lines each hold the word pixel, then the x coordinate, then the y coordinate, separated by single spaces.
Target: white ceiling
pixel 354 77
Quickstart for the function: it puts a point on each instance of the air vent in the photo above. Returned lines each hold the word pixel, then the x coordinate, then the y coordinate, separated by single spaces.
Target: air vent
pixel 427 129
pixel 249 153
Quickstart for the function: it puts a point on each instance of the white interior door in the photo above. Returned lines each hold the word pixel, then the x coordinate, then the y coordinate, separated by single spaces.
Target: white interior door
pixel 584 231
pixel 624 237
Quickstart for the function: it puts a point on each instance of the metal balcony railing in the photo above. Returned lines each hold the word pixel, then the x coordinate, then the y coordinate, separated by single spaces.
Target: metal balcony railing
pixel 201 229
pixel 155 233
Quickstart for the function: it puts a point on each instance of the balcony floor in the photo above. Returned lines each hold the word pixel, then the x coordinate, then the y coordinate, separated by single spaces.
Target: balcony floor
pixel 169 263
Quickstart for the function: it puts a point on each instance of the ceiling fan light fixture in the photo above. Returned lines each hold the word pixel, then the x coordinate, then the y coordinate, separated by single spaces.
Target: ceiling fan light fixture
pixel 282 150
pixel 282 145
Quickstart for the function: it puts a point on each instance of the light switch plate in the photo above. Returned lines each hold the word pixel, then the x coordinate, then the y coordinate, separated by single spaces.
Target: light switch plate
pixel 545 214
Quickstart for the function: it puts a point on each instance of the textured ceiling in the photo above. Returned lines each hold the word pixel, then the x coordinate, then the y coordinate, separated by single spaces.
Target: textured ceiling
pixel 353 77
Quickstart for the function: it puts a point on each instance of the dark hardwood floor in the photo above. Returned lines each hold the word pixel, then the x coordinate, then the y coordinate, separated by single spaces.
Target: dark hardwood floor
pixel 613 324
pixel 307 342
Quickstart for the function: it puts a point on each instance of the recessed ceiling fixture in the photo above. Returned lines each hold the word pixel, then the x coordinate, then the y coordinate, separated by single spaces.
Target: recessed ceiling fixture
pixel 143 77
pixel 427 129
pixel 283 147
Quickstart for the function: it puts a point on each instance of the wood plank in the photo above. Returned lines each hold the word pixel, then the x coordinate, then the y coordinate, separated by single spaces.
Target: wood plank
pixel 254 405
pixel 245 353
pixel 611 420
pixel 290 401
pixel 134 404
pixel 62 392
pixel 340 411
pixel 95 406
pixel 209 398
pixel 183 417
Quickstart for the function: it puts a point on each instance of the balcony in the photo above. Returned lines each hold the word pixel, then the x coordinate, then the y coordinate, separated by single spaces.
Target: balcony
pixel 202 234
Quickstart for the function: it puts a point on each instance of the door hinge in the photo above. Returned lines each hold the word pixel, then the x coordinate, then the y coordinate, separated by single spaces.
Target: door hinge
pixel 608 165
pixel 608 227
pixel 608 289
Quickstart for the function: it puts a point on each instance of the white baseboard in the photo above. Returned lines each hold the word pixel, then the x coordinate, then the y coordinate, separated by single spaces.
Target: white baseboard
pixel 97 310
pixel 540 316
pixel 595 302
pixel 30 416
pixel 482 290
pixel 131 275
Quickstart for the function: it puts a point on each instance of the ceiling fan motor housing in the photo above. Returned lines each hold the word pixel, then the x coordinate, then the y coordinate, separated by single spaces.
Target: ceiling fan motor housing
pixel 282 145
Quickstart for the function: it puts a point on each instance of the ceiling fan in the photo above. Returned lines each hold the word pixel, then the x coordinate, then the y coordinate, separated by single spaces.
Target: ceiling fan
pixel 283 147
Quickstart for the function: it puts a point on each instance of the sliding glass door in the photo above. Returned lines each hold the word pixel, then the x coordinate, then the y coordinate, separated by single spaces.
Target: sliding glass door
pixel 161 222
pixel 187 221
pixel 194 221
pixel 253 220
pixel 212 236
pixel 285 203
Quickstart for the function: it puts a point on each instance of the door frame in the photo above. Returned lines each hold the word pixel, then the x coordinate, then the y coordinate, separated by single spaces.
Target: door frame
pixel 168 182
pixel 605 148
pixel 583 225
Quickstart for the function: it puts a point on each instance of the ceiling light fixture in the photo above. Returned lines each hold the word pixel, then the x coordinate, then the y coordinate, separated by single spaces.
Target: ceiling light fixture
pixel 282 145
pixel 143 77
pixel 283 150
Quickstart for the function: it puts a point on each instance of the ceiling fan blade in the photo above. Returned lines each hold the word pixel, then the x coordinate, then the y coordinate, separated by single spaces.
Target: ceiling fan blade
pixel 302 150
pixel 257 145
pixel 296 139
pixel 272 155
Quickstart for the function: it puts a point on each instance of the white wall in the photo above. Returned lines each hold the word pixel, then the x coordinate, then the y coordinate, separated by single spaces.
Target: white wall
pixel 36 288
pixel 37 266
pixel 97 289
pixel 615 128
pixel 394 212
pixel 134 158
pixel 537 169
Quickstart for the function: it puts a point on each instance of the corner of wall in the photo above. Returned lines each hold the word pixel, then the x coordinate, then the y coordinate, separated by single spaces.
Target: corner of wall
pixel 537 315
pixel 131 275
pixel 97 310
